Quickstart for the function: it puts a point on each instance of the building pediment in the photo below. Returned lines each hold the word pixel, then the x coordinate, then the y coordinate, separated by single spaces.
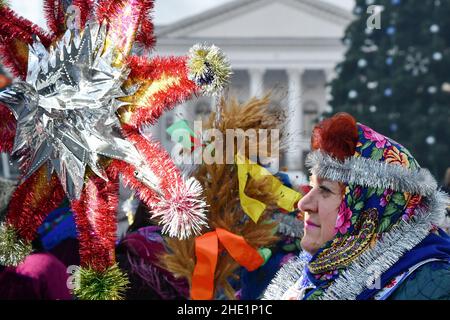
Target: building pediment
pixel 262 19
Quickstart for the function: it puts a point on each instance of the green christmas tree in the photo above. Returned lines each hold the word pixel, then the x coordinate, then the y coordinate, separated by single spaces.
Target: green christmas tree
pixel 396 78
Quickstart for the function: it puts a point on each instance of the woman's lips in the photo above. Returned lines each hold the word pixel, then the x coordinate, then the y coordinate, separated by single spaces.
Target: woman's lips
pixel 309 224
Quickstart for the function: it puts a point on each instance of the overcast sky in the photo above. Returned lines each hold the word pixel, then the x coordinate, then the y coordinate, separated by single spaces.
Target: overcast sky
pixel 166 11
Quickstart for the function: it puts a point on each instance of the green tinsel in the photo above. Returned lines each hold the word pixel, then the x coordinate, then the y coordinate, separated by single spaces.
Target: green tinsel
pixel 110 284
pixel 13 250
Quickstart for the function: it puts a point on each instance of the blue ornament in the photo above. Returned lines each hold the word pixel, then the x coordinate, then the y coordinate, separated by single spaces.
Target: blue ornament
pixel 390 30
pixel 389 61
pixel 393 127
pixel 396 2
pixel 388 92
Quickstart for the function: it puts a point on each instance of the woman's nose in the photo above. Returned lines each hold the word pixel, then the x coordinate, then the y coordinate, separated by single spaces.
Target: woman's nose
pixel 308 203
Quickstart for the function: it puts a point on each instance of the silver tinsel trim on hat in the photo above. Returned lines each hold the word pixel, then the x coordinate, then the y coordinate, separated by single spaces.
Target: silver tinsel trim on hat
pixel 365 270
pixel 370 173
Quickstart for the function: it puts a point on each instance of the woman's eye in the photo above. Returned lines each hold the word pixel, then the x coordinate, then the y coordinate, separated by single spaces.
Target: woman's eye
pixel 325 189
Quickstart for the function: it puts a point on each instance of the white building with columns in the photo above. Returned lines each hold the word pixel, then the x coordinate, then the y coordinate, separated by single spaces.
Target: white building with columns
pixel 287 46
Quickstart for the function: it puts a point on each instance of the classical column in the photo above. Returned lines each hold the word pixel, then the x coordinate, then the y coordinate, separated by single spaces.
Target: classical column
pixel 5 165
pixel 213 103
pixel 256 81
pixel 330 74
pixel 294 156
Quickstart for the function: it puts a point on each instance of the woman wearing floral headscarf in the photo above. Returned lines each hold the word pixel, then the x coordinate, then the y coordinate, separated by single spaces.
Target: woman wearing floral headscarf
pixel 371 222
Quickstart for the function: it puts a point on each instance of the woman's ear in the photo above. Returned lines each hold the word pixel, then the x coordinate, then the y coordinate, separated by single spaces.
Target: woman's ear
pixel 342 186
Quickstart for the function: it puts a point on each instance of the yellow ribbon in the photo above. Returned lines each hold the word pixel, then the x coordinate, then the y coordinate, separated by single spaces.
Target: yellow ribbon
pixel 286 197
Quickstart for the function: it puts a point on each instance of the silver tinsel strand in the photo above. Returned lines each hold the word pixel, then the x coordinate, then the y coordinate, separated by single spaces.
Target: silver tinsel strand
pixel 370 173
pixel 285 278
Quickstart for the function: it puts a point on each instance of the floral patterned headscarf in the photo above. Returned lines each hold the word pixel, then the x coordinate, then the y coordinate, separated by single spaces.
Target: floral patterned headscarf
pixel 390 205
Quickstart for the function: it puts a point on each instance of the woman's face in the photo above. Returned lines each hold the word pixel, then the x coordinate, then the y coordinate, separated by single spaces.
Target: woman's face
pixel 320 207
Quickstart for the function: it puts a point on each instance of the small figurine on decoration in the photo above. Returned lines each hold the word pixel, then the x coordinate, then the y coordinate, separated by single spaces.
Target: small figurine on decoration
pixel 73 117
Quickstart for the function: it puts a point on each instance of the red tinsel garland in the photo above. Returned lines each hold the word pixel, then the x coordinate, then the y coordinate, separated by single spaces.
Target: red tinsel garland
pixel 157 159
pixel 55 15
pixel 86 9
pixel 125 18
pixel 14 55
pixel 7 129
pixel 32 201
pixel 15 35
pixel 54 11
pixel 163 83
pixel 14 27
pixel 145 35
pixel 155 69
pixel 104 9
pixel 95 216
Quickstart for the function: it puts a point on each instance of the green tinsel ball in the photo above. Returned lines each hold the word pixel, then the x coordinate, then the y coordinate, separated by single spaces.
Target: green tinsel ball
pixel 110 284
pixel 209 68
pixel 13 250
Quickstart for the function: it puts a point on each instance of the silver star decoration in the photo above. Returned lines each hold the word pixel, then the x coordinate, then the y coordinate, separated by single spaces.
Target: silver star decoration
pixel 66 110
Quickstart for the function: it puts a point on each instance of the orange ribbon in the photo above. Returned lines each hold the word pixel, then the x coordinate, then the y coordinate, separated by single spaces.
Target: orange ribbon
pixel 207 252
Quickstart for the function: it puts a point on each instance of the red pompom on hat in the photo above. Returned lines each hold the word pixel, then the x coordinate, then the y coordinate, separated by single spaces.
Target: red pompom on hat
pixel 336 136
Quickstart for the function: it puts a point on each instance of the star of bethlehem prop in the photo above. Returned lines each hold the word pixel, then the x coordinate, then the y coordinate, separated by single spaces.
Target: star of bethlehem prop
pixel 73 119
